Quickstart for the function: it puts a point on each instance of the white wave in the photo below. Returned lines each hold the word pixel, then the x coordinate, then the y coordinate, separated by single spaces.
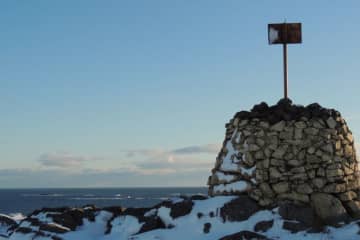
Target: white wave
pixel 42 195
pixel 175 194
pixel 89 195
pixel 17 216
pixel 97 198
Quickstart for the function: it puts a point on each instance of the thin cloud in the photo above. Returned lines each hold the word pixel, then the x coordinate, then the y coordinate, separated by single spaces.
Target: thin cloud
pixel 209 148
pixel 145 152
pixel 142 166
pixel 163 162
pixel 195 149
pixel 62 160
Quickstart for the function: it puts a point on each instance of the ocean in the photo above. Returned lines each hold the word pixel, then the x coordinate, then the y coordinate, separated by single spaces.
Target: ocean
pixel 25 201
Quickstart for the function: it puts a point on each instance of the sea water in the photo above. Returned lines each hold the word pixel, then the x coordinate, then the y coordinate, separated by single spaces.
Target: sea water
pixel 27 200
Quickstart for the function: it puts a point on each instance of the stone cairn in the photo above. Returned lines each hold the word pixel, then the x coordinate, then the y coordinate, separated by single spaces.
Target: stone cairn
pixel 305 155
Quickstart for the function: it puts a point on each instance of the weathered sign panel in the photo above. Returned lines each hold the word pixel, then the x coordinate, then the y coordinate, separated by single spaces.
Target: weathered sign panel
pixel 284 33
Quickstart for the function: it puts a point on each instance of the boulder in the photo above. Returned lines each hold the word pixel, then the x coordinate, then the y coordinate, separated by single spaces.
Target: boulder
pixel 353 208
pixel 152 223
pixel 181 208
pixel 69 219
pixel 329 208
pixel 296 212
pixel 263 226
pixel 178 209
pixel 239 209
pixel 294 227
pixel 8 222
pixel 24 230
pixel 207 227
pixel 245 235
pixel 138 212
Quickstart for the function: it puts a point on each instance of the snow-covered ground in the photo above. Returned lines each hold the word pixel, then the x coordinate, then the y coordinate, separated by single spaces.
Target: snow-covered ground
pixel 190 226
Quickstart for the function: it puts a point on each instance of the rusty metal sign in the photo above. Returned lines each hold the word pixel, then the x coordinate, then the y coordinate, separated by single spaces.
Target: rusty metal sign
pixel 284 33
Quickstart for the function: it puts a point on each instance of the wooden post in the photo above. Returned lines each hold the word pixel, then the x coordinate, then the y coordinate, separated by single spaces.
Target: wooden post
pixel 285 71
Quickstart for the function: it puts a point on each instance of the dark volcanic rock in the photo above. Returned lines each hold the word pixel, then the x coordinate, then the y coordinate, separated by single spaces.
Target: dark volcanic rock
pixel 181 208
pixel 7 221
pixel 40 234
pixel 207 227
pixel 245 235
pixel 56 238
pixel 294 227
pixel 263 226
pixel 24 230
pixel 152 223
pixel 239 209
pixel 178 209
pixel 44 210
pixel 136 212
pixel 4 220
pixel 116 211
pixel 52 228
pixel 71 218
pixel 33 221
pixel 198 197
pixel 286 110
pixel 260 108
pixel 302 213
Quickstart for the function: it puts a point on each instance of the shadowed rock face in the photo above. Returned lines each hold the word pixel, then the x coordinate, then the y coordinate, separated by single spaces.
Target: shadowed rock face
pixel 287 152
pixel 285 110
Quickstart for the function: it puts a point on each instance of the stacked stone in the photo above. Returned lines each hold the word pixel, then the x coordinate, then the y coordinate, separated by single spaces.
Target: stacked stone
pixel 289 152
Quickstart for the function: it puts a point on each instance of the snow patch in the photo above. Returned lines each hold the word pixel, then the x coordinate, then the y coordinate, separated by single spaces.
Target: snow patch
pixel 273 35
pixel 164 215
pixel 228 161
pixel 239 186
pixel 124 227
pixel 150 213
pixel 225 177
pixel 248 171
pixel 17 216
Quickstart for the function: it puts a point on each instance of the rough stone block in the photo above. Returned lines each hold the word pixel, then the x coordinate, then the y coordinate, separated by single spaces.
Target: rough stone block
pixel 353 208
pixel 347 196
pixel 280 187
pixel 304 188
pixel 278 126
pixel 335 188
pixel 331 122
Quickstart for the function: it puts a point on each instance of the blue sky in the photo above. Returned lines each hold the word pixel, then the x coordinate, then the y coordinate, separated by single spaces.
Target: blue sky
pixel 136 93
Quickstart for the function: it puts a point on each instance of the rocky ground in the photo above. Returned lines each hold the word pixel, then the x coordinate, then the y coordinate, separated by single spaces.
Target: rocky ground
pixel 196 217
